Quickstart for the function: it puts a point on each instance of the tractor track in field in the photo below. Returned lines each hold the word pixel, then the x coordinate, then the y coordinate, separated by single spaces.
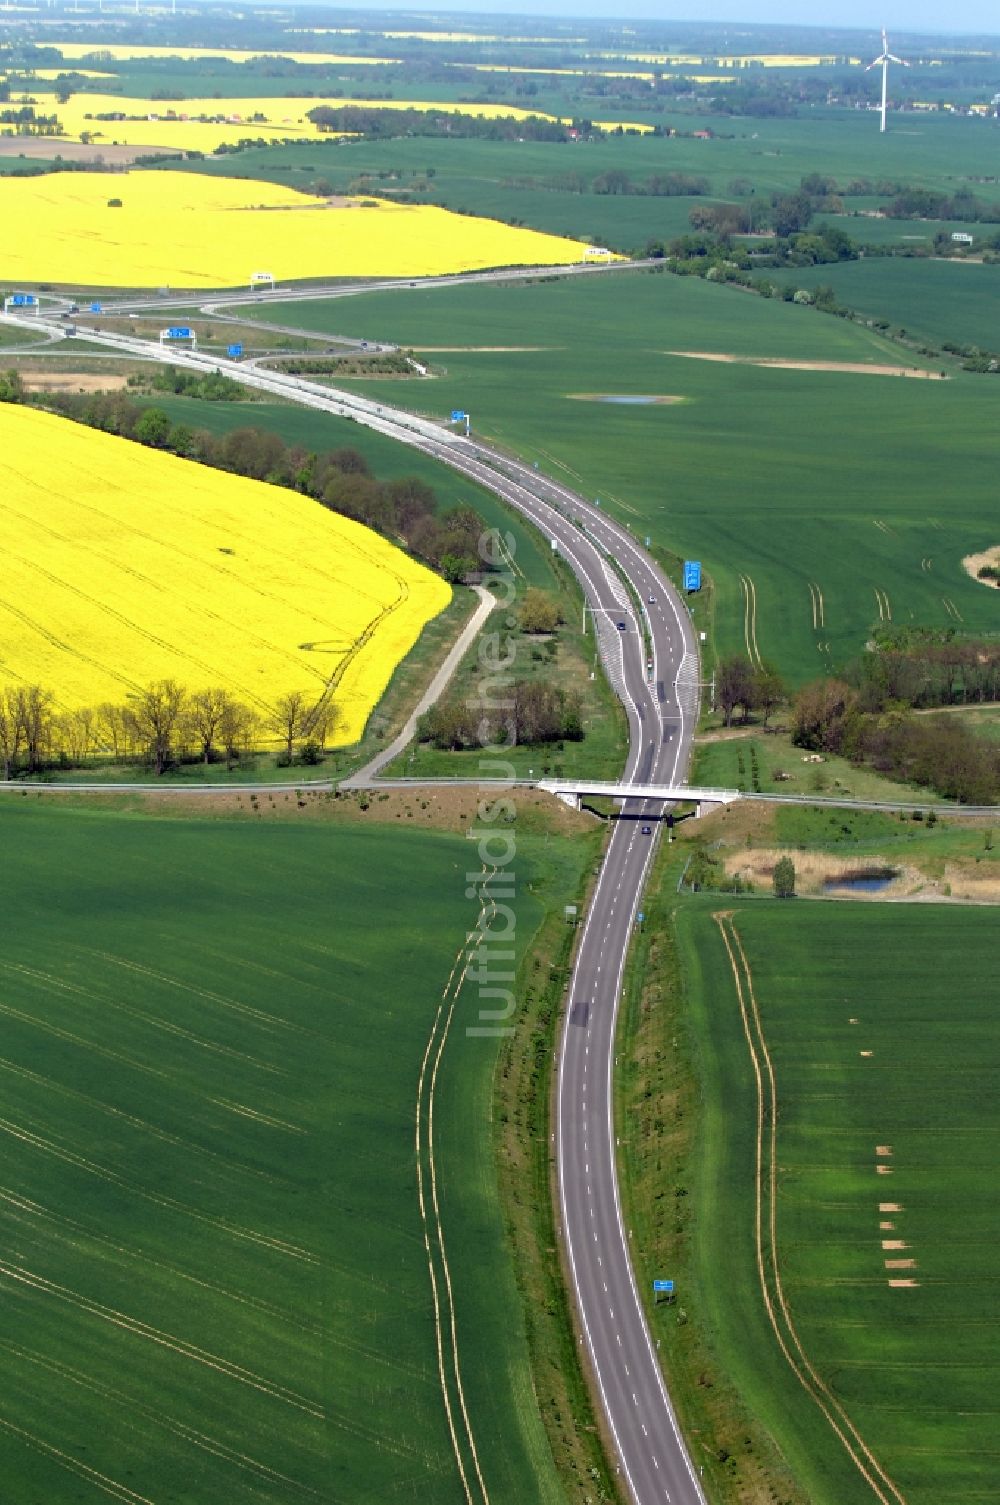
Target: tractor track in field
pixel 779 1315
pixel 434 1242
pixel 883 603
pixel 817 604
pixel 750 620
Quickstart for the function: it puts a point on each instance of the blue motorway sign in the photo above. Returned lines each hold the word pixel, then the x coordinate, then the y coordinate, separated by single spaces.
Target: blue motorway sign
pixel 640 917
pixel 179 332
pixel 24 300
pixel 234 351
pixel 692 575
pixel 457 416
pixel 95 308
pixel 663 1285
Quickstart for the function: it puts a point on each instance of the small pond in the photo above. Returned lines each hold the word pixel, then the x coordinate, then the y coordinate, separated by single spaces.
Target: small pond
pixel 626 399
pixel 629 401
pixel 872 881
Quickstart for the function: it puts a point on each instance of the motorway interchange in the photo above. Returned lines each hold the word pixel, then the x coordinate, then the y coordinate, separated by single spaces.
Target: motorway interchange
pixel 621 583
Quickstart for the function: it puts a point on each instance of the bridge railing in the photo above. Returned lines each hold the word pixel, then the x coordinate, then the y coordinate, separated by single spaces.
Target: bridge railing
pixel 617 790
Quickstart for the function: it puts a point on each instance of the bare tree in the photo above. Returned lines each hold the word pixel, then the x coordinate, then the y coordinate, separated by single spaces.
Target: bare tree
pixel 112 728
pixel 204 715
pixel 288 718
pixel 768 690
pixel 85 726
pixel 326 719
pixel 11 730
pixel 74 733
pixel 36 713
pixel 238 727
pixel 157 710
pixel 734 686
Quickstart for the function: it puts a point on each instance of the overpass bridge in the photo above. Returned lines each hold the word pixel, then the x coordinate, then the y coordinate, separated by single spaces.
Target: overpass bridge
pixel 571 791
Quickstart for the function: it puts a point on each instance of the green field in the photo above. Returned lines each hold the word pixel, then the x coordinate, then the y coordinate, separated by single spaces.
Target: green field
pixel 850 481
pixel 866 1056
pixel 214 1272
pixel 952 301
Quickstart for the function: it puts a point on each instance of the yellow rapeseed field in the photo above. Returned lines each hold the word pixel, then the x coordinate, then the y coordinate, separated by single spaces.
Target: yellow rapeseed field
pixel 151 122
pixel 203 124
pixel 123 565
pixel 721 60
pixel 123 54
pixel 184 230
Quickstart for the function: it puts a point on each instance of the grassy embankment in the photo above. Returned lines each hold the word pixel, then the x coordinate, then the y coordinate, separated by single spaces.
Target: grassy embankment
pixel 939 301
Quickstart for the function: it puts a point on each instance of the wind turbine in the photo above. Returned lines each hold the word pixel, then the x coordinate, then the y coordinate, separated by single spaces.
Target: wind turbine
pixel 885 58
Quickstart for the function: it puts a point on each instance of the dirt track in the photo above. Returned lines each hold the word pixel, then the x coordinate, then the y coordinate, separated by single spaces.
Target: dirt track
pixel 74 381
pixel 48 147
pixel 858 368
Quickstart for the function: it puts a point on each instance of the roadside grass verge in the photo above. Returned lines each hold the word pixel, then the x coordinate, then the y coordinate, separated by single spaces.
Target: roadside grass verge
pixel 523 1097
pixel 663 1122
pixel 752 764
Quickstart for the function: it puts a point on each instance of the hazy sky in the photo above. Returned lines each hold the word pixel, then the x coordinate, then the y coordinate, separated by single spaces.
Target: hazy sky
pixel 931 16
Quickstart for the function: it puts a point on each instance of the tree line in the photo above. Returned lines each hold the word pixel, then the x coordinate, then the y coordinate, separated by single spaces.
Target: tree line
pixel 534 711
pixel 404 509
pixel 869 713
pixel 925 667
pixel 739 684
pixel 938 752
pixel 160 725
pixel 927 203
pixel 615 181
pixel 375 124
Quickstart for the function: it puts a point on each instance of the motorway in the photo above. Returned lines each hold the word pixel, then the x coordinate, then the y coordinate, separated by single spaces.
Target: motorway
pixel 637 614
